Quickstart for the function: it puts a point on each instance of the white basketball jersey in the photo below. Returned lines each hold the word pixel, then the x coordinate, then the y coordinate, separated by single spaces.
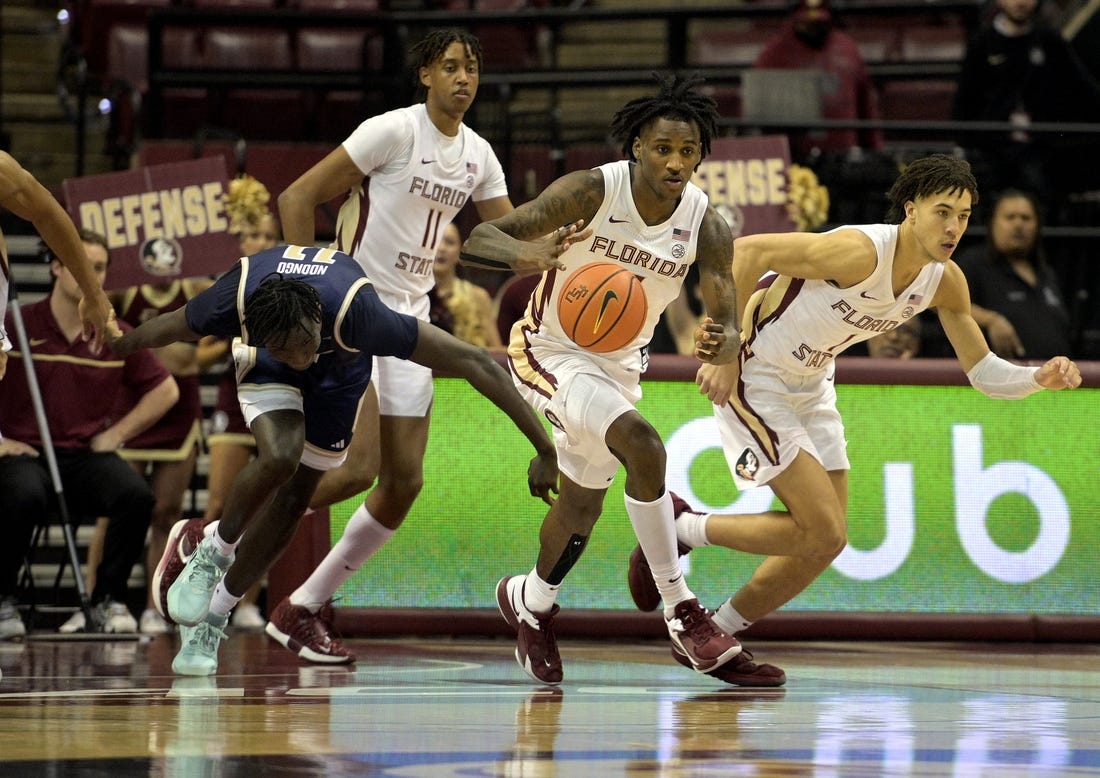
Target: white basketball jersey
pixel 406 206
pixel 659 255
pixel 820 320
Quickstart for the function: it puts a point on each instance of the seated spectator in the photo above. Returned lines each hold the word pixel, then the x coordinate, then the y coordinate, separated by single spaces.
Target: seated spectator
pixel 1015 295
pixel 165 453
pixel 902 342
pixel 1017 69
pixel 511 302
pixel 462 308
pixel 811 39
pixel 80 387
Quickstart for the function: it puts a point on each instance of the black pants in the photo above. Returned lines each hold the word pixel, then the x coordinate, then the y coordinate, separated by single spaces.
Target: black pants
pixel 94 484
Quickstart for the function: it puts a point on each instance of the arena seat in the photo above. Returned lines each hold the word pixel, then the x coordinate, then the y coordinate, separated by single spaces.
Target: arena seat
pixel 335 113
pixel 933 43
pixel 730 47
pixel 877 42
pixel 127 71
pixel 336 5
pixel 926 99
pixel 94 19
pixel 254 113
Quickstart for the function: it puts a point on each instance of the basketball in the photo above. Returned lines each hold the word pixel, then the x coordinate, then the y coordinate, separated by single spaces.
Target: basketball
pixel 602 307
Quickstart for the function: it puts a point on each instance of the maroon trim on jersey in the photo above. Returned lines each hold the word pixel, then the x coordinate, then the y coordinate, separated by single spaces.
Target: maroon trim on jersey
pixel 361 226
pixel 538 308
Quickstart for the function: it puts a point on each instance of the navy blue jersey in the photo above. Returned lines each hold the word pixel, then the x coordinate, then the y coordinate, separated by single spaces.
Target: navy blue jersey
pixel 355 327
pixel 354 322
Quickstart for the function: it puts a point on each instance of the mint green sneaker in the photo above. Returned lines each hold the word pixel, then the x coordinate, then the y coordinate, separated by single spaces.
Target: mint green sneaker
pixel 189 595
pixel 199 653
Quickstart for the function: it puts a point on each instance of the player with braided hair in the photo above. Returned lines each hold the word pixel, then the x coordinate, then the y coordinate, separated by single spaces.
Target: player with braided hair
pixel 803 298
pixel 644 212
pixel 307 333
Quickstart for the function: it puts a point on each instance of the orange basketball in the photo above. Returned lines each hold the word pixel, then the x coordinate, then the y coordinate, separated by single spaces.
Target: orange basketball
pixel 602 307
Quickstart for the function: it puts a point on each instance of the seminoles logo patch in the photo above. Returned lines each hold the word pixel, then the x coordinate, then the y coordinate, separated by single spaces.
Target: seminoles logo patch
pixel 162 256
pixel 747 465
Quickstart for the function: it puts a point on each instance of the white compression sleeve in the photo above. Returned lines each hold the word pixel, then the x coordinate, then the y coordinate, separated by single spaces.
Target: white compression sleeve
pixel 1000 379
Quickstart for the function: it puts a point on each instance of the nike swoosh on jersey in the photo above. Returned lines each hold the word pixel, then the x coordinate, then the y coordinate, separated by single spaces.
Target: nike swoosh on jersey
pixel 608 296
pixel 866 296
pixel 997 59
pixel 613 220
pixel 36 342
pixel 426 161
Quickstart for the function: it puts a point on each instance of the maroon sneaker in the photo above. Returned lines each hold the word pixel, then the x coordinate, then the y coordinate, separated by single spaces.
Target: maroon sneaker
pixel 740 671
pixel 536 646
pixel 183 540
pixel 639 577
pixel 696 635
pixel 309 635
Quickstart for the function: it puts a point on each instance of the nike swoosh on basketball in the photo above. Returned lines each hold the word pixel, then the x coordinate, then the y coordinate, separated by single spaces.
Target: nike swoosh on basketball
pixel 608 296
pixel 613 220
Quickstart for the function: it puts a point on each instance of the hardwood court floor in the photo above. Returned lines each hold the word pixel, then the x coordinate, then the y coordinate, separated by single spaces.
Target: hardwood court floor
pixel 458 707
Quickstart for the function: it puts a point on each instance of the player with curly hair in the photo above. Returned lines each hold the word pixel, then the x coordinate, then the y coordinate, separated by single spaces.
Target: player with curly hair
pixel 802 299
pixel 644 212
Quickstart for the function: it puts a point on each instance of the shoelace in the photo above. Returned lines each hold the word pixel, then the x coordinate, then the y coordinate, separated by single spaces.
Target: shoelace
pixel 204 575
pixel 695 621
pixel 548 633
pixel 204 637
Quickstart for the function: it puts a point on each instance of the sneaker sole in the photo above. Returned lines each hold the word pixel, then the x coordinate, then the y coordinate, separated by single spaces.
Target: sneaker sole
pixel 170 554
pixel 745 679
pixel 303 651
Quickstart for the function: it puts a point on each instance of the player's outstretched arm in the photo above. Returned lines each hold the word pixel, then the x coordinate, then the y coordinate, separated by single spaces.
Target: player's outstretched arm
pixel 158 331
pixel 443 352
pixel 22 194
pixel 532 237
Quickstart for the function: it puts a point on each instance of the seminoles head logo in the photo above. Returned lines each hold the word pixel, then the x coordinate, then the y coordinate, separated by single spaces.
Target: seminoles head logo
pixel 747 465
pixel 161 256
pixel 733 216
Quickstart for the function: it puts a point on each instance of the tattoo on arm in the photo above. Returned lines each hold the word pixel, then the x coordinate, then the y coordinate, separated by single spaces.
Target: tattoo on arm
pixel 714 254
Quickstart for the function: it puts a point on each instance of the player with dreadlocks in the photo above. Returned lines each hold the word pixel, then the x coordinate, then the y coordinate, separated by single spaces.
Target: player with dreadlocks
pixel 645 213
pixel 308 329
pixel 803 299
pixel 416 167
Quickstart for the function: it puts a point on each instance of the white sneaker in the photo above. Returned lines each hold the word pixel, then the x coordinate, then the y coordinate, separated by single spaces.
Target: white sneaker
pixel 152 623
pixel 74 624
pixel 11 623
pixel 247 617
pixel 113 618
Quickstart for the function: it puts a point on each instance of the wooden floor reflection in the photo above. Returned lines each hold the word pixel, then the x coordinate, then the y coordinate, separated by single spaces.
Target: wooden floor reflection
pixel 442 707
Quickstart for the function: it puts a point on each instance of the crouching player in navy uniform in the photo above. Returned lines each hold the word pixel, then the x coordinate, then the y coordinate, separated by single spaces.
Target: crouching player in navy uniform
pixel 307 324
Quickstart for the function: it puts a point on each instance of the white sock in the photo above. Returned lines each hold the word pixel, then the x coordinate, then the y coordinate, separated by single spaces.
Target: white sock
pixel 221 602
pixel 729 620
pixel 220 545
pixel 652 522
pixel 539 596
pixel 361 540
pixel 691 530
